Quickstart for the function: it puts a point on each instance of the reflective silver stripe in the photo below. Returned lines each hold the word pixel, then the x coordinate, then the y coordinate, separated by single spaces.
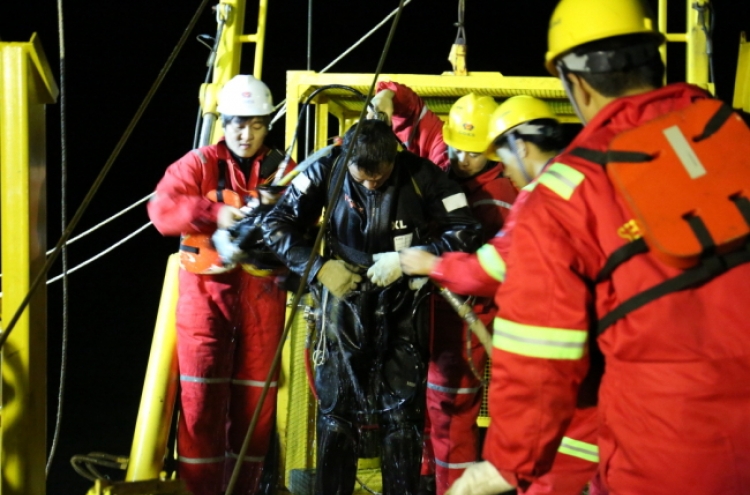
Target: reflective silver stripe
pixel 258 458
pixel 454 465
pixel 684 151
pixel 496 202
pixel 201 156
pixel 198 379
pixel 416 126
pixel 252 383
pixel 200 460
pixel 448 390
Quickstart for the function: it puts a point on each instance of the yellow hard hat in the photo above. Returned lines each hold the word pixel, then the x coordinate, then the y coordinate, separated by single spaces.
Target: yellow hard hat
pixel 468 120
pixel 576 22
pixel 511 114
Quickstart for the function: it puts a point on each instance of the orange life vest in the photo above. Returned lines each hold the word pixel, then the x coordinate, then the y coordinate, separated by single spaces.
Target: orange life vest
pixel 197 253
pixel 685 177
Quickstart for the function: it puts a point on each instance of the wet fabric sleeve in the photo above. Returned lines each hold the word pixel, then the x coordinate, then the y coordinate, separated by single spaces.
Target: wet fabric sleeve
pixel 286 227
pixel 427 140
pixel 456 228
pixel 179 204
pixel 540 344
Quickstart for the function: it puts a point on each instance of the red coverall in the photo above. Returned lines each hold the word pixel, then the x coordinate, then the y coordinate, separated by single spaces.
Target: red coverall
pixel 454 393
pixel 577 464
pixel 675 396
pixel 228 327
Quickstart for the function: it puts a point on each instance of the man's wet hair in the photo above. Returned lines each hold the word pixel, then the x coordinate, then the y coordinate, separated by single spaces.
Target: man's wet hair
pixel 617 83
pixel 375 144
pixel 228 119
pixel 552 137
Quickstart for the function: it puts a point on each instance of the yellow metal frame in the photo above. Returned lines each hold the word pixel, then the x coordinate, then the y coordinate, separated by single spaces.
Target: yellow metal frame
pixel 439 92
pixel 152 426
pixel 697 66
pixel 742 81
pixel 26 86
pixel 229 51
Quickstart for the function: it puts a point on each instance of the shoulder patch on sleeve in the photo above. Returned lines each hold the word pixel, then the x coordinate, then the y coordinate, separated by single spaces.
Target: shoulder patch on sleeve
pixel 455 202
pixel 301 182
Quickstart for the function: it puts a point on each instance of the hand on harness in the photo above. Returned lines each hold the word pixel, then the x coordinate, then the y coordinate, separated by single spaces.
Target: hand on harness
pixel 227 247
pixel 243 241
pixel 338 278
pixel 381 106
pixel 386 270
pixel 480 478
pixel 228 216
pixel 417 261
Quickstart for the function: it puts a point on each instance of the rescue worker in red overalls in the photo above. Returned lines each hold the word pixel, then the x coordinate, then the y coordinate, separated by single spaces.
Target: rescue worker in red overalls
pixel 454 386
pixel 229 321
pixel 675 393
pixel 525 134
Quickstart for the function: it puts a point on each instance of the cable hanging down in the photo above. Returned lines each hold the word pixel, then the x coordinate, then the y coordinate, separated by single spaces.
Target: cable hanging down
pixel 102 175
pixel 316 246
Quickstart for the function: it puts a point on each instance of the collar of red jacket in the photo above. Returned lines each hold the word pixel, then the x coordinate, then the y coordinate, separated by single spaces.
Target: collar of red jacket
pixel 487 175
pixel 631 111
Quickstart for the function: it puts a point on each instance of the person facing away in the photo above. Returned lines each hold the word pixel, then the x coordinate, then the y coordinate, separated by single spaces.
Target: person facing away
pixel 454 382
pixel 675 392
pixel 372 339
pixel 229 319
pixel 526 134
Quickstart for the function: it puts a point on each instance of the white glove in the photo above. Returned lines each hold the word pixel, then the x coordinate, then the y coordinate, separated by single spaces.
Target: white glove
pixel 383 104
pixel 228 216
pixel 480 478
pixel 228 251
pixel 386 270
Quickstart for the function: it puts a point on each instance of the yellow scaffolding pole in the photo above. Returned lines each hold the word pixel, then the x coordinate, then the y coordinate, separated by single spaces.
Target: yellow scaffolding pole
pixel 26 86
pixel 695 39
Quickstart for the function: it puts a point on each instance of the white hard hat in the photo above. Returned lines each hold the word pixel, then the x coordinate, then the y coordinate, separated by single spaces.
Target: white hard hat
pixel 245 96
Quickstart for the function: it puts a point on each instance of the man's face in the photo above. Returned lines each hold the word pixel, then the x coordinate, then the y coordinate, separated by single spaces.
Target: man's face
pixel 244 136
pixel 371 181
pixel 465 164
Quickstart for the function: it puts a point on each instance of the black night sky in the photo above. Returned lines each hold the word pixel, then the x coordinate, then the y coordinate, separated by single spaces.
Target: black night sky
pixel 114 51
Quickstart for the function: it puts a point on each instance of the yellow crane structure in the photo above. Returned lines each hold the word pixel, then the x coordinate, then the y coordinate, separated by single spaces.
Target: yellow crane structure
pixel 27 86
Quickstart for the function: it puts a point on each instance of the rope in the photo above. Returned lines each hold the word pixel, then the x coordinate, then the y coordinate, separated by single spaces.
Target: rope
pixel 316 246
pixel 102 174
pixel 105 222
pixel 282 104
pixel 109 249
pixel 63 221
pixel 461 34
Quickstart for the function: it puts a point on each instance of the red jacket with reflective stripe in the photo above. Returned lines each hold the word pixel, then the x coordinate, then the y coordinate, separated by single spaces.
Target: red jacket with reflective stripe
pixel 452 268
pixel 427 140
pixel 674 399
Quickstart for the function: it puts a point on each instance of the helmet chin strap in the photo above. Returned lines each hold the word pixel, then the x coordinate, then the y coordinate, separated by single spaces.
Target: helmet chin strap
pixel 513 143
pixel 563 71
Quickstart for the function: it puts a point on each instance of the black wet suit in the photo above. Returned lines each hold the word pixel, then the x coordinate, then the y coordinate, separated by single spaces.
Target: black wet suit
pixel 374 343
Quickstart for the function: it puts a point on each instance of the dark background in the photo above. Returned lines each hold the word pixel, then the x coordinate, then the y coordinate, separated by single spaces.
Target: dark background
pixel 114 51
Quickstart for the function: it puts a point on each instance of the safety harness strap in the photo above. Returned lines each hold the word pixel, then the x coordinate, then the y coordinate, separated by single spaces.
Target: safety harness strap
pixel 221 182
pixel 270 164
pixel 620 256
pixel 710 268
pixel 715 122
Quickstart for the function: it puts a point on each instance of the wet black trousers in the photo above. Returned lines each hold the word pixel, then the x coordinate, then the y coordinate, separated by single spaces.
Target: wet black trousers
pixel 371 388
